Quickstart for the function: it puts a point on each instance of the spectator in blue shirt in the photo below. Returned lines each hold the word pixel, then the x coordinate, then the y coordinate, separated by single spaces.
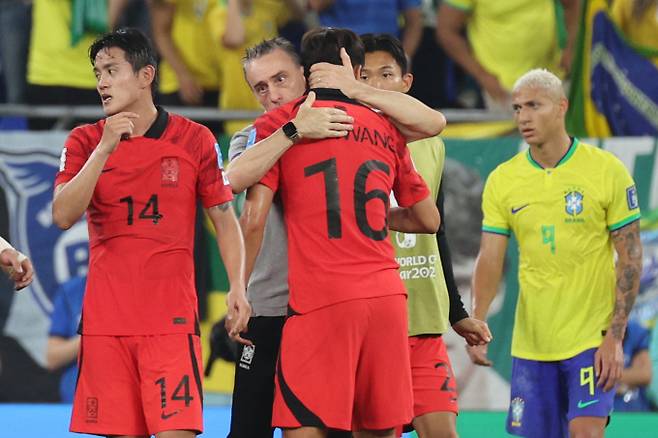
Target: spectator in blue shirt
pixel 374 16
pixel 63 338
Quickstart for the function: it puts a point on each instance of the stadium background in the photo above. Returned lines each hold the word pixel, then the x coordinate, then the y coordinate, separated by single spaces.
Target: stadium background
pixel 29 160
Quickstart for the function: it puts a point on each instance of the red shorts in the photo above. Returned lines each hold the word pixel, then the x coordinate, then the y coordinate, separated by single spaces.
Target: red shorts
pixel 435 387
pixel 138 385
pixel 434 384
pixel 345 366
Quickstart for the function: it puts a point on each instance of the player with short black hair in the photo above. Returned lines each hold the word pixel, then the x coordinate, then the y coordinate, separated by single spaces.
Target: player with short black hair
pixel 335 198
pixel 138 174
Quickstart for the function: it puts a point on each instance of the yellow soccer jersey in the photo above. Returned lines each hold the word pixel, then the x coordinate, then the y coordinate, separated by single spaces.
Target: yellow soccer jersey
pixel 52 60
pixel 194 35
pixel 500 33
pixel 562 218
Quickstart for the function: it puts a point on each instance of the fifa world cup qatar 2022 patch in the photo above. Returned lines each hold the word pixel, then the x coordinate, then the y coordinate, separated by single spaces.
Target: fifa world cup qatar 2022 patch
pixel 631 198
pixel 169 171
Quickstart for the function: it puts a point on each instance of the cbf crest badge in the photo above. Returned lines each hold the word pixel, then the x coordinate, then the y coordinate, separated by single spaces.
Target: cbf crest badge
pixel 573 203
pixel 517 407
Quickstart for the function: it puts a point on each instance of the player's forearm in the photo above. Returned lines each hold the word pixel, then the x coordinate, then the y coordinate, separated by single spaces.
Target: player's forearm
pixel 413 31
pixel 61 351
pixel 422 217
pixel 484 286
pixel 628 270
pixel 72 198
pixel 414 119
pixel 253 229
pixel 247 169
pixel 230 244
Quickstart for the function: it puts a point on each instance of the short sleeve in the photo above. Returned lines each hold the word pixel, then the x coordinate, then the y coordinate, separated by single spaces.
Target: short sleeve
pixel 463 5
pixel 212 185
pixel 495 218
pixel 60 319
pixel 269 122
pixel 623 207
pixel 74 155
pixel 409 187
pixel 240 142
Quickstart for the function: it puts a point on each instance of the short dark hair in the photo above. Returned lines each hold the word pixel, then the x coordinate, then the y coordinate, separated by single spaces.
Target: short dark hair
pixel 386 43
pixel 323 44
pixel 137 47
pixel 268 46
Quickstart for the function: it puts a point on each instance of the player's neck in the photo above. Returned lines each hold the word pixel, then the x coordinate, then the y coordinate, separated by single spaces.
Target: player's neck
pixel 147 115
pixel 549 153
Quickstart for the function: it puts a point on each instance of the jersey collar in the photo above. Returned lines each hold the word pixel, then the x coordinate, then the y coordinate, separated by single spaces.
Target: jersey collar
pixel 564 159
pixel 333 94
pixel 159 124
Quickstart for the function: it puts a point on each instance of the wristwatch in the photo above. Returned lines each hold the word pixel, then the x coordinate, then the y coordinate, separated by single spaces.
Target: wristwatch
pixel 290 130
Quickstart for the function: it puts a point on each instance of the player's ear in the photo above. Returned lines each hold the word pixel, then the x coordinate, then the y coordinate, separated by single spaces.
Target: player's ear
pixel 407 80
pixel 147 76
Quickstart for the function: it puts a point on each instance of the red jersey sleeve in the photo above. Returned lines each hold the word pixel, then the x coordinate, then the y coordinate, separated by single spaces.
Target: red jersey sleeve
pixel 409 187
pixel 265 126
pixel 269 122
pixel 212 187
pixel 75 154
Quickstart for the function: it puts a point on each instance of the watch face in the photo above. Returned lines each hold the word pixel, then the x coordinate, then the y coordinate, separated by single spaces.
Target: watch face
pixel 290 130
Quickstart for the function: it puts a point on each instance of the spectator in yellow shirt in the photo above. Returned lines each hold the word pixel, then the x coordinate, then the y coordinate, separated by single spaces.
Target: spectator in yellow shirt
pixel 504 40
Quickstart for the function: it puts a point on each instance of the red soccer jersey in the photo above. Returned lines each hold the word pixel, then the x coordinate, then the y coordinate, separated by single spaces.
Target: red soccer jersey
pixel 335 195
pixel 141 225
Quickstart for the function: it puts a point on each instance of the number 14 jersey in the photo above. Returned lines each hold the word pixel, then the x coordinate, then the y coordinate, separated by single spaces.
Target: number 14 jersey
pixel 141 225
pixel 335 195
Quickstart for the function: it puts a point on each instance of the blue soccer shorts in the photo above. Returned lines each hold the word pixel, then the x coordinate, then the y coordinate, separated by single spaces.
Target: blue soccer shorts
pixel 545 396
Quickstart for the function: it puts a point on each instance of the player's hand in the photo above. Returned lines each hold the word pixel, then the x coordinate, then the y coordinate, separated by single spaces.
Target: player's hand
pixel 116 127
pixel 609 362
pixel 340 77
pixel 189 90
pixel 475 332
pixel 495 89
pixel 478 355
pixel 18 267
pixel 320 123
pixel 237 316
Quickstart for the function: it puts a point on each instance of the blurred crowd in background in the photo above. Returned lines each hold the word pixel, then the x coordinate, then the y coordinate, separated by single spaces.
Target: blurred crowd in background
pixel 464 53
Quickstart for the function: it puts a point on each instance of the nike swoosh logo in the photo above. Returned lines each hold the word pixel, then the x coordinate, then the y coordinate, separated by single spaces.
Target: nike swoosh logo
pixel 582 404
pixel 108 169
pixel 167 416
pixel 516 210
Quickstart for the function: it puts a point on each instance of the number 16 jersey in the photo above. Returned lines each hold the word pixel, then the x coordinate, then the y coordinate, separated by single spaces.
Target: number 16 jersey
pixel 141 225
pixel 335 195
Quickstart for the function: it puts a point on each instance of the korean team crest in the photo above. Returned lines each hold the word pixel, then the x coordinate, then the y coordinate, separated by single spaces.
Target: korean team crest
pixel 169 170
pixel 573 203
pixel 517 407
